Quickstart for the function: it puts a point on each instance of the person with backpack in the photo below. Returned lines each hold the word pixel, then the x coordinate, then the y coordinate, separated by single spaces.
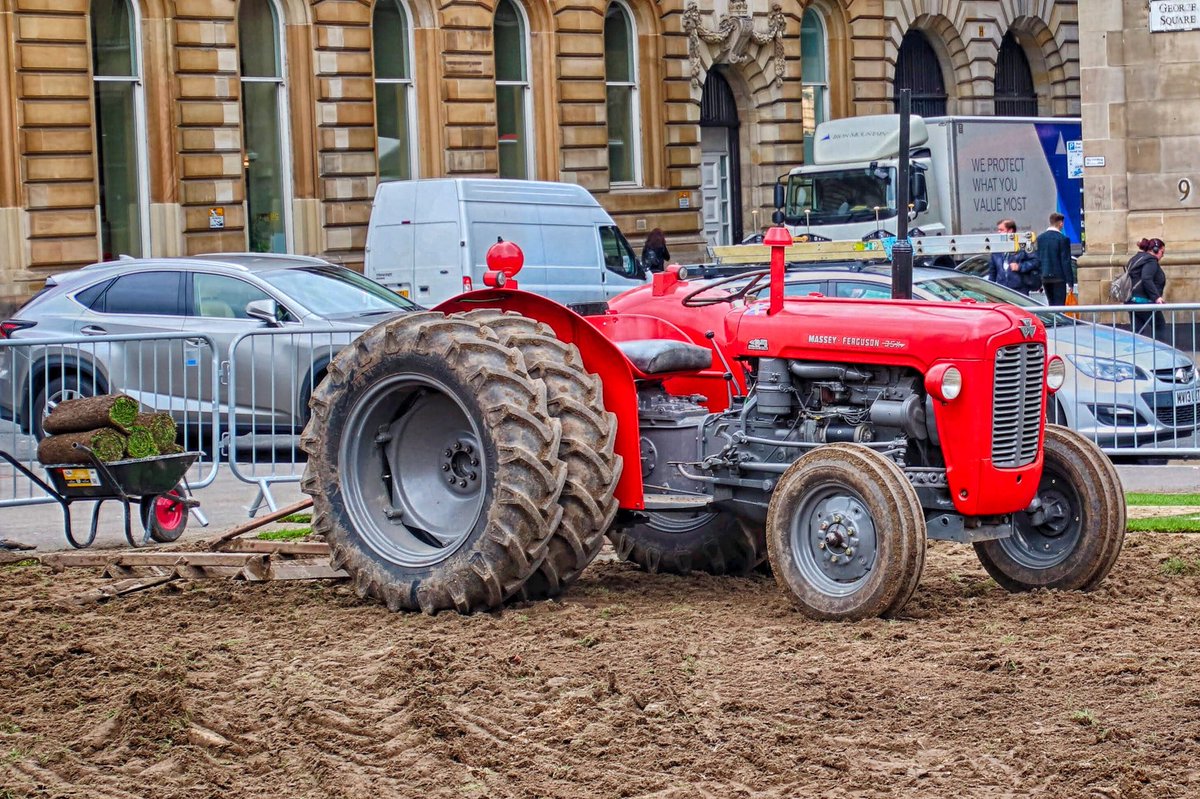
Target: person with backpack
pixel 1018 270
pixel 655 254
pixel 1147 282
pixel 1054 253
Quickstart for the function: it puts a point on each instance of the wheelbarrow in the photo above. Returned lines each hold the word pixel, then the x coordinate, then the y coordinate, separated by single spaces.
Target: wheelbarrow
pixel 156 484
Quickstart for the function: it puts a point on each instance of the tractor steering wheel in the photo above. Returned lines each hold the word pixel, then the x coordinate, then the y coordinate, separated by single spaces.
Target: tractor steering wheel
pixel 693 300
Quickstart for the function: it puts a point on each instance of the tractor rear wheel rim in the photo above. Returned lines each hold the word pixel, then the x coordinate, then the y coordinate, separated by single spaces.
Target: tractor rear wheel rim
pixel 1041 546
pixel 833 540
pixel 414 473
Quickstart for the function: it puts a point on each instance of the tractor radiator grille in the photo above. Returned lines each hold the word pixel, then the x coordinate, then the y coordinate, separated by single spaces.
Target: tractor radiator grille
pixel 1017 404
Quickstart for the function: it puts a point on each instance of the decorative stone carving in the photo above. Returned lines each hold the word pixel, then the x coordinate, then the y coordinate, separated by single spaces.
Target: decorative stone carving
pixel 734 34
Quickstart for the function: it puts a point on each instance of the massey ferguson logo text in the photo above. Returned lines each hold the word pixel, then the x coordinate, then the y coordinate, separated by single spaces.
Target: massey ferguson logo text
pixel 857 341
pixel 1027 328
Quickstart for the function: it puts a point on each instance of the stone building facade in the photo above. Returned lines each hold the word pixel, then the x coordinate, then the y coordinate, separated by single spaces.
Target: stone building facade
pixel 168 127
pixel 1141 115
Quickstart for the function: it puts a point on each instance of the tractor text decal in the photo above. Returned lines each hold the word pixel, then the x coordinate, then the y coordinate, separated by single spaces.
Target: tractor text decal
pixel 857 341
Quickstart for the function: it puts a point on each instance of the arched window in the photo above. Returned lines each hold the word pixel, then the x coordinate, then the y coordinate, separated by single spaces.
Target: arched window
pixel 513 102
pixel 1015 95
pixel 395 95
pixel 918 69
pixel 264 134
pixel 120 129
pixel 814 75
pixel 620 75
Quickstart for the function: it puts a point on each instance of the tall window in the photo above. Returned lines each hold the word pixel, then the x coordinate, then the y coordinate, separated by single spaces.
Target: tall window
pixel 620 75
pixel 814 74
pixel 120 126
pixel 264 138
pixel 513 91
pixel 395 96
pixel 1015 95
pixel 918 68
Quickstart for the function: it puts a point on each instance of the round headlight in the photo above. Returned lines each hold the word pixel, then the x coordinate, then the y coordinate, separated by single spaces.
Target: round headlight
pixel 952 382
pixel 1056 373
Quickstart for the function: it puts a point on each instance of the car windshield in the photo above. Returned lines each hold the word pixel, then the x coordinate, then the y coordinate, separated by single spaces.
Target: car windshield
pixel 840 196
pixel 333 290
pixel 958 286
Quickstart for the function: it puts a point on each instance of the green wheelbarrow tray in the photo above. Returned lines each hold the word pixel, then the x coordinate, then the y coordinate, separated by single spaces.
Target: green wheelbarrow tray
pixel 133 478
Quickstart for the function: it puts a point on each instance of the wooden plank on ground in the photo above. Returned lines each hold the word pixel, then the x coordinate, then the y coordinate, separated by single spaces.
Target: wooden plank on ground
pixel 273 548
pixel 254 524
pixel 303 570
pixel 121 588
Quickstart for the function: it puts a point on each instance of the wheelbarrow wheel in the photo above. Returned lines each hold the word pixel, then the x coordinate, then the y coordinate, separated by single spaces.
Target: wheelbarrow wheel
pixel 165 516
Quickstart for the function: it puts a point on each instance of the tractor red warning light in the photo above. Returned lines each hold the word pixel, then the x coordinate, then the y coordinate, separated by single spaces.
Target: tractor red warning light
pixel 504 261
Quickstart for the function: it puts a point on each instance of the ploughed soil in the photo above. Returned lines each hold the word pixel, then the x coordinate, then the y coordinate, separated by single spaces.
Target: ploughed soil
pixel 634 685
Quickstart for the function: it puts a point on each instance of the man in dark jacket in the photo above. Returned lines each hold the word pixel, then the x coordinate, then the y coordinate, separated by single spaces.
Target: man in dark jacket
pixel 1012 269
pixel 1054 252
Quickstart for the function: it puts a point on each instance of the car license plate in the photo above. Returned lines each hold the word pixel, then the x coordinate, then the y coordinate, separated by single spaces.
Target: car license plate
pixel 1185 397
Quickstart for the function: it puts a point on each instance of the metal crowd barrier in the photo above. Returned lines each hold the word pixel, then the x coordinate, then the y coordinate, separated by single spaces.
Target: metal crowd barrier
pixel 1134 395
pixel 1131 381
pixel 272 373
pixel 174 372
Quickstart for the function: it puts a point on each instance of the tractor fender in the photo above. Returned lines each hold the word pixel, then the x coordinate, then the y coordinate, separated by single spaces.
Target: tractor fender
pixel 601 357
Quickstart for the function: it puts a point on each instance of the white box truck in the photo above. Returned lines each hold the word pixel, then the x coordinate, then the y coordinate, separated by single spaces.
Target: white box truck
pixel 428 239
pixel 968 173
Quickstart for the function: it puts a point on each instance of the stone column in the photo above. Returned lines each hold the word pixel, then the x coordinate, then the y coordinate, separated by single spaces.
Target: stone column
pixel 209 136
pixel 54 88
pixel 1140 114
pixel 345 127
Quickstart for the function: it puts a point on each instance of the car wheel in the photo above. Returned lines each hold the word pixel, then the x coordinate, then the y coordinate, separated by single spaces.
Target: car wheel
pixel 50 395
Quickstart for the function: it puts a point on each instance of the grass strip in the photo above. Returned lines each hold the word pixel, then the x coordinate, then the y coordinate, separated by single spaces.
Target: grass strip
pixel 1183 523
pixel 1143 500
pixel 285 535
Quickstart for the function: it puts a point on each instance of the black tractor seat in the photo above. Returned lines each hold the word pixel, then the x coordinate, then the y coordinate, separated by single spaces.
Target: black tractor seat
pixel 656 356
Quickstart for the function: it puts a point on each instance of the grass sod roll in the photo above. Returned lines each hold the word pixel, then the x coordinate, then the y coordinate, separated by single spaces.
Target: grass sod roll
pixel 92 413
pixel 106 443
pixel 140 443
pixel 162 428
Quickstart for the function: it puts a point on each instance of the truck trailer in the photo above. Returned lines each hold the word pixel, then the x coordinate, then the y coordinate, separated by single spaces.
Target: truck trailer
pixel 967 174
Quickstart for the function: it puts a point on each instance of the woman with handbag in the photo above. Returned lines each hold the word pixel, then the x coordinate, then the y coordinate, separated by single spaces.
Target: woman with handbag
pixel 1149 280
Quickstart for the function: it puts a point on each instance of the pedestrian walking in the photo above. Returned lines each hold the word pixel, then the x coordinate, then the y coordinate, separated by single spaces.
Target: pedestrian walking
pixel 1148 279
pixel 655 254
pixel 1020 270
pixel 1054 254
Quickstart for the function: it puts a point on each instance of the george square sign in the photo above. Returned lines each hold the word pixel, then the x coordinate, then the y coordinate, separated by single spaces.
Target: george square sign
pixel 1173 15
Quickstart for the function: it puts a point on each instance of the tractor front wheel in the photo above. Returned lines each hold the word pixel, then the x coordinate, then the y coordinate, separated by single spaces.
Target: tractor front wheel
pixel 433 465
pixel 846 534
pixel 1072 541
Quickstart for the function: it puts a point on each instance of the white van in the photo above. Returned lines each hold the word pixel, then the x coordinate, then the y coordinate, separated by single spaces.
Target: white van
pixel 428 239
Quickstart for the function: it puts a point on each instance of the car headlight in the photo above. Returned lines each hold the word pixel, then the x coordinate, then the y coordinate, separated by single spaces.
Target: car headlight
pixel 944 382
pixel 1056 373
pixel 1107 369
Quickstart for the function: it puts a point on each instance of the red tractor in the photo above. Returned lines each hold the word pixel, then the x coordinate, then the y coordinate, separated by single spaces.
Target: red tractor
pixel 484 450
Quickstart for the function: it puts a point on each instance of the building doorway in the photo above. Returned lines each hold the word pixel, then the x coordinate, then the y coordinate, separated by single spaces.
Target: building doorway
pixel 720 165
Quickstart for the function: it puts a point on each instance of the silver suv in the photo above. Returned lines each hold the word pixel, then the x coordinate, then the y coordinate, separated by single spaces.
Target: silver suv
pixel 218 297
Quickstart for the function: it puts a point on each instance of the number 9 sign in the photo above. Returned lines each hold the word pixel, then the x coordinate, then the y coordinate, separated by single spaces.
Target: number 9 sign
pixel 1185 189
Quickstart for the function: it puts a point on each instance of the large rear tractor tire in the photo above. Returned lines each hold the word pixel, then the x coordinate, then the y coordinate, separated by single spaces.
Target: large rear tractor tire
pixel 575 398
pixel 433 465
pixel 680 543
pixel 1076 537
pixel 846 534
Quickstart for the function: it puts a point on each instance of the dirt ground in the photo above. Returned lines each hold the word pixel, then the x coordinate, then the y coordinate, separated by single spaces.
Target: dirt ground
pixel 633 686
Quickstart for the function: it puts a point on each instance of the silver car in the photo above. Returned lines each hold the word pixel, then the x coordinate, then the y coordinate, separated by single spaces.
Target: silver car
pixel 1121 389
pixel 311 307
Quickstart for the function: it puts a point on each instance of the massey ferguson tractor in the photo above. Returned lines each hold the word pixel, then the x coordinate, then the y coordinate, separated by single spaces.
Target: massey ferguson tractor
pixel 483 450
